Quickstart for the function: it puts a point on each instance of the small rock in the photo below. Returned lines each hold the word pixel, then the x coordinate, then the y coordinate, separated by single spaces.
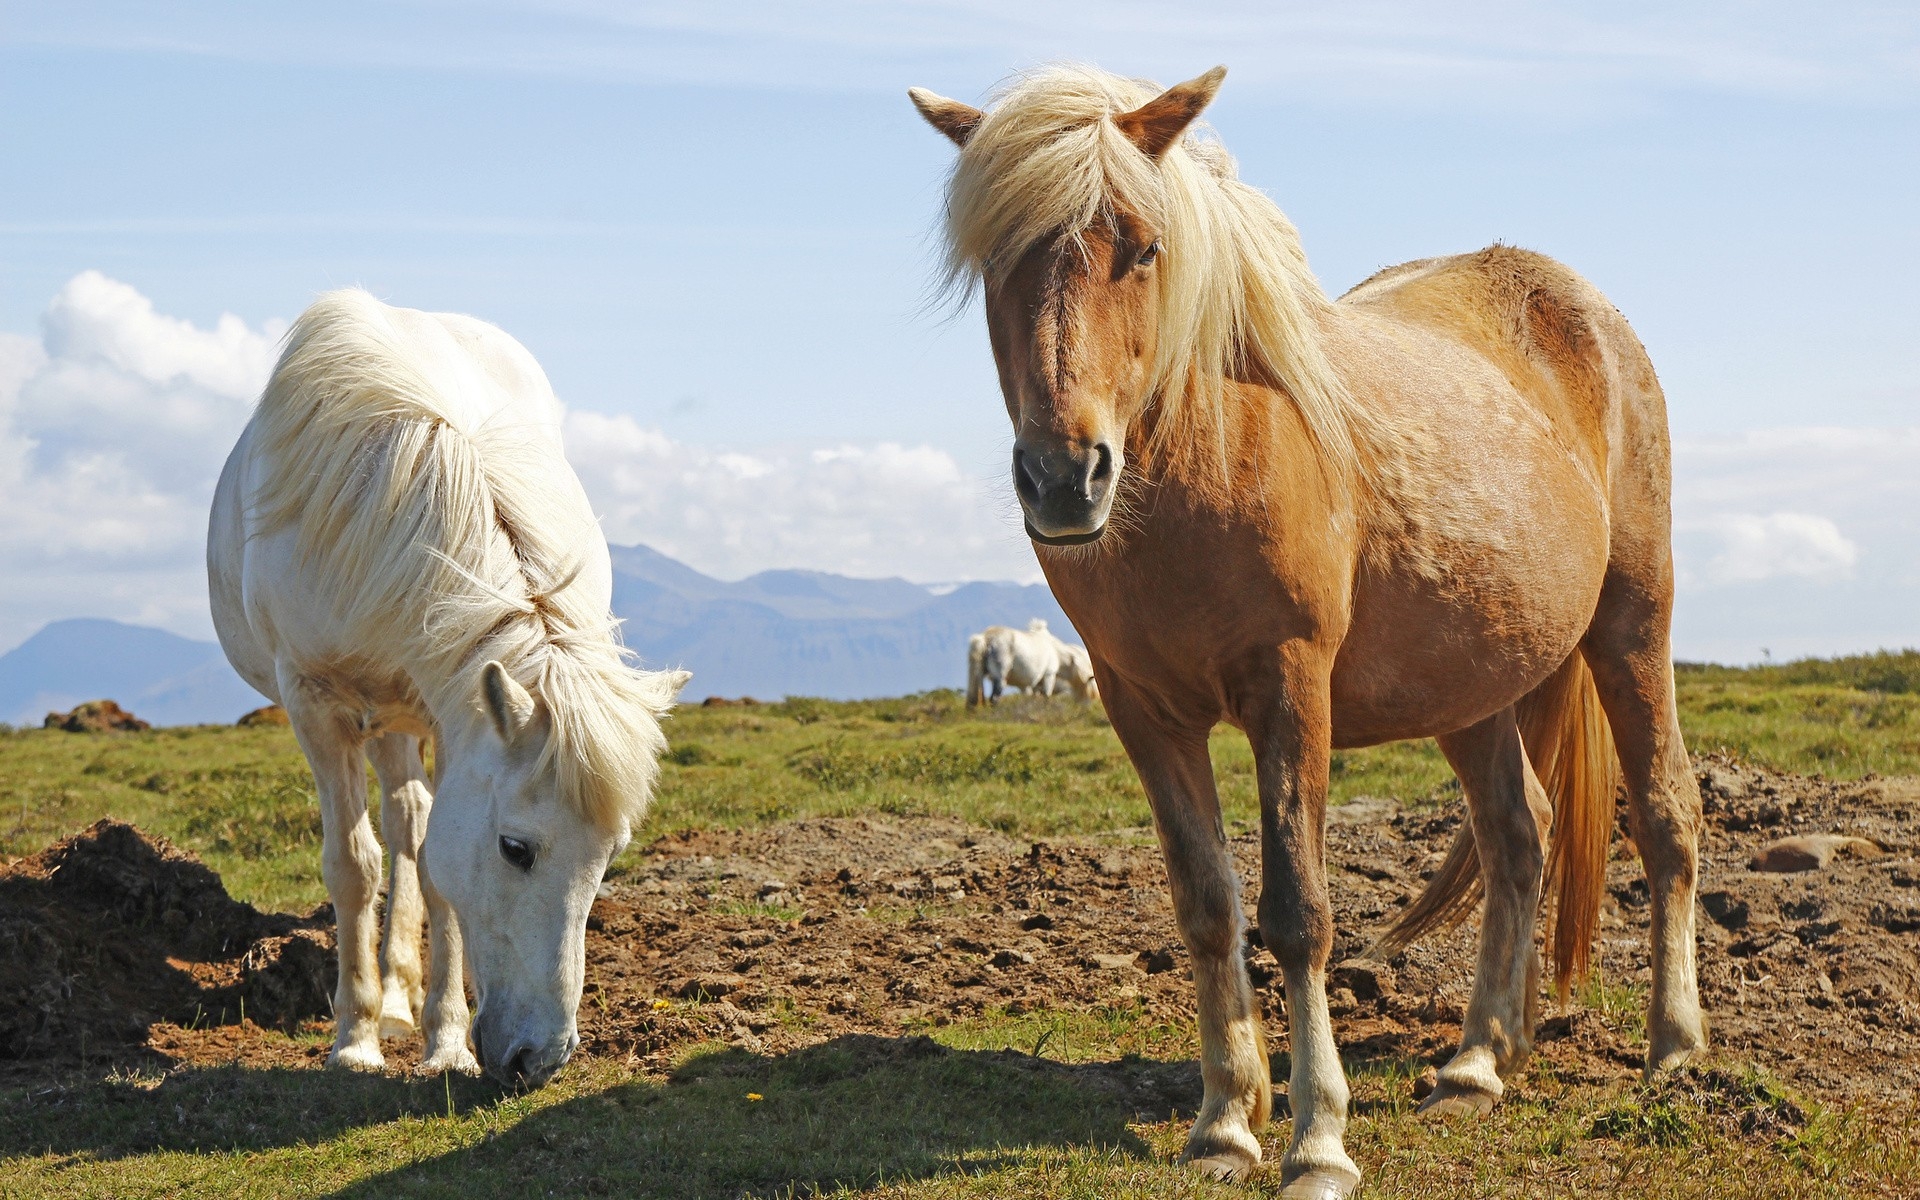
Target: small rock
pixel 1423 1086
pixel 1012 958
pixel 1160 960
pixel 1341 1001
pixel 945 883
pixel 1724 783
pixel 710 986
pixel 772 887
pixel 1364 978
pixel 1362 810
pixel 1811 852
pixel 1037 921
pixel 1115 962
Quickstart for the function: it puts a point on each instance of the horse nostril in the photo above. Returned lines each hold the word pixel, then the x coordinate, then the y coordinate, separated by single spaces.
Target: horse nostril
pixel 517 1065
pixel 1025 479
pixel 1102 463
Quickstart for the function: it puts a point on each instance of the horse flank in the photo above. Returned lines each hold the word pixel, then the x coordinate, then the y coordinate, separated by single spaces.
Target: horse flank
pixel 478 529
pixel 1237 299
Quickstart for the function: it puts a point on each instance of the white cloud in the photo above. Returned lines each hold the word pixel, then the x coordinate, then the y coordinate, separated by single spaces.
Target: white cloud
pixel 113 425
pixel 1779 545
pixel 1801 541
pixel 883 509
pixel 115 420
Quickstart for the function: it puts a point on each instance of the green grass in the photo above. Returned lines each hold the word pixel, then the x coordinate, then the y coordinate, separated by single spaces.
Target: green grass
pixel 954 1115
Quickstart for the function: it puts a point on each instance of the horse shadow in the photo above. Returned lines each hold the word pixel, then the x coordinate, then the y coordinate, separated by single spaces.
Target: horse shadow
pixel 855 1111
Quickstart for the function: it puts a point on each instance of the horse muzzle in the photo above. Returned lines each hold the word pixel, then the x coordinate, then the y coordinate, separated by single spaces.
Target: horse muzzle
pixel 1066 492
pixel 520 1059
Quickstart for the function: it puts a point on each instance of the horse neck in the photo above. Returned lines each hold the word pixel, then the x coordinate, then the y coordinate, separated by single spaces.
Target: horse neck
pixel 1260 447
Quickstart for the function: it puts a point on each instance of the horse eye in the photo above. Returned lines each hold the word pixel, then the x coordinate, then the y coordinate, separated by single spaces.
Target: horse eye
pixel 1149 254
pixel 517 852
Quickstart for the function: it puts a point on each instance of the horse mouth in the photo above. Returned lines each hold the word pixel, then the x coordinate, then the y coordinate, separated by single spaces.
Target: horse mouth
pixel 1065 539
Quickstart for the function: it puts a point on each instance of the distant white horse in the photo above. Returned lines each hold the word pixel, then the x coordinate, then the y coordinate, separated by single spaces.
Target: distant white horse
pixel 399 551
pixel 1030 658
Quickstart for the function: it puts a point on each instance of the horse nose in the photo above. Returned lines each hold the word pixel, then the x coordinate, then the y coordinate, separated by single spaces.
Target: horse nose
pixel 1039 475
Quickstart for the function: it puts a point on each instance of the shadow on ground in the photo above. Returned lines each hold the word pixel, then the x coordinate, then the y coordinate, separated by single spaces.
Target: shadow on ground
pixel 855 1110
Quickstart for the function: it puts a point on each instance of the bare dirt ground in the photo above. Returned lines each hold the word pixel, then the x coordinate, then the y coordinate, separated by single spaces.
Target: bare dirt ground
pixel 785 937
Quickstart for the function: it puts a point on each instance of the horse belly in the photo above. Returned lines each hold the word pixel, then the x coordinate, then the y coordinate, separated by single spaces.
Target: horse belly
pixel 1449 639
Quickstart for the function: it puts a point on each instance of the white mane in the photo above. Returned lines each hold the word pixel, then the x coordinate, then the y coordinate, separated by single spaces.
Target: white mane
pixel 453 536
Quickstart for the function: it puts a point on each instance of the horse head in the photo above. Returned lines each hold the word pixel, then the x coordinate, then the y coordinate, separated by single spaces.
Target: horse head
pixel 519 851
pixel 1079 268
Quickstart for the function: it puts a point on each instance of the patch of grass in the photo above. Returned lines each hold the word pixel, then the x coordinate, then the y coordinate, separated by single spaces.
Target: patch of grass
pixel 914 1118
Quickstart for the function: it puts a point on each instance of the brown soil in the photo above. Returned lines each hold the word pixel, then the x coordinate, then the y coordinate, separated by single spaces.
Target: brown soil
pixel 813 930
pixel 108 933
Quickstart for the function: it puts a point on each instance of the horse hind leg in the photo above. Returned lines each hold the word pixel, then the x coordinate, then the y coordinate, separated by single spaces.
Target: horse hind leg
pixel 1628 652
pixel 404 805
pixel 349 863
pixel 1510 817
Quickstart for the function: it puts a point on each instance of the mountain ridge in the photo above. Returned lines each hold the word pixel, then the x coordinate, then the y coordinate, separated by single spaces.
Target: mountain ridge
pixel 775 633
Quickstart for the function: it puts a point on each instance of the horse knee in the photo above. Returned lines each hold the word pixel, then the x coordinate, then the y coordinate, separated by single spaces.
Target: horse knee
pixel 404 817
pixel 1299 934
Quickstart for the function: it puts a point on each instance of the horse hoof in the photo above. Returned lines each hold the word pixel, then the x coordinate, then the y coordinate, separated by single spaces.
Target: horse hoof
pixel 395 1028
pixel 1226 1167
pixel 459 1062
pixel 357 1058
pixel 1320 1184
pixel 1453 1100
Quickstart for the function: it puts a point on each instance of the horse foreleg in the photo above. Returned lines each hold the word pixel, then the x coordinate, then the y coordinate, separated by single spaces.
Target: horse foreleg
pixel 1178 776
pixel 1292 744
pixel 349 863
pixel 1511 818
pixel 1627 651
pixel 404 806
pixel 446 1018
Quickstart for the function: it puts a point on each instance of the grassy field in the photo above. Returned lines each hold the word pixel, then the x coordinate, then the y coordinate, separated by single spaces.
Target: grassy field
pixel 954 1116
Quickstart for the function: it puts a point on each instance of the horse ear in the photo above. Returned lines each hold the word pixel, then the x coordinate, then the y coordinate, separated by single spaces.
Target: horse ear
pixel 510 705
pixel 956 120
pixel 1158 124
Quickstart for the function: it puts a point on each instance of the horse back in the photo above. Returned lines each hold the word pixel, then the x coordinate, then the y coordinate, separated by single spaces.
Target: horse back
pixel 1555 338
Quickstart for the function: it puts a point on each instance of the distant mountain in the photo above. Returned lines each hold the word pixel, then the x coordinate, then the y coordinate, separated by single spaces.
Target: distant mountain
pixel 809 633
pixel 778 633
pixel 161 677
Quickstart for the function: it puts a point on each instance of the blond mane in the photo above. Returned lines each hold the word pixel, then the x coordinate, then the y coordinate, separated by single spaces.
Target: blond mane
pixel 1237 299
pixel 451 541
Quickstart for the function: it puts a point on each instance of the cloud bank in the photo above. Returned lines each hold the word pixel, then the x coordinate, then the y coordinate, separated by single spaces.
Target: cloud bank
pixel 115 418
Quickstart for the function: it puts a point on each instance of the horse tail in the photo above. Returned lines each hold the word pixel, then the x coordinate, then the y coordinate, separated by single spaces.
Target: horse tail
pixel 1568 742
pixel 976 668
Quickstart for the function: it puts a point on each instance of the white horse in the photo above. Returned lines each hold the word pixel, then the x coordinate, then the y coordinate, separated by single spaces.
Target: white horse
pixel 399 551
pixel 1030 658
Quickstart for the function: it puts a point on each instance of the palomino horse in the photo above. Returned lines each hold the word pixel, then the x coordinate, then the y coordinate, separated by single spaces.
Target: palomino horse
pixel 399 551
pixel 1030 658
pixel 1438 507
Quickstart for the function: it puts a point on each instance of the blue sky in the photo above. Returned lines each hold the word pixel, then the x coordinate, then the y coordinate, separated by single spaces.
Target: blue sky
pixel 713 227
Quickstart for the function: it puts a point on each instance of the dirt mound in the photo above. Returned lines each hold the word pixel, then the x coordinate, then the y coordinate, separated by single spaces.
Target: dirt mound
pixel 110 931
pixel 271 714
pixel 95 716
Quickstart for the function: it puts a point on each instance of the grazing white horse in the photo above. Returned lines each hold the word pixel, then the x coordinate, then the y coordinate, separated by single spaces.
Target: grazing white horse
pixel 1030 658
pixel 399 551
